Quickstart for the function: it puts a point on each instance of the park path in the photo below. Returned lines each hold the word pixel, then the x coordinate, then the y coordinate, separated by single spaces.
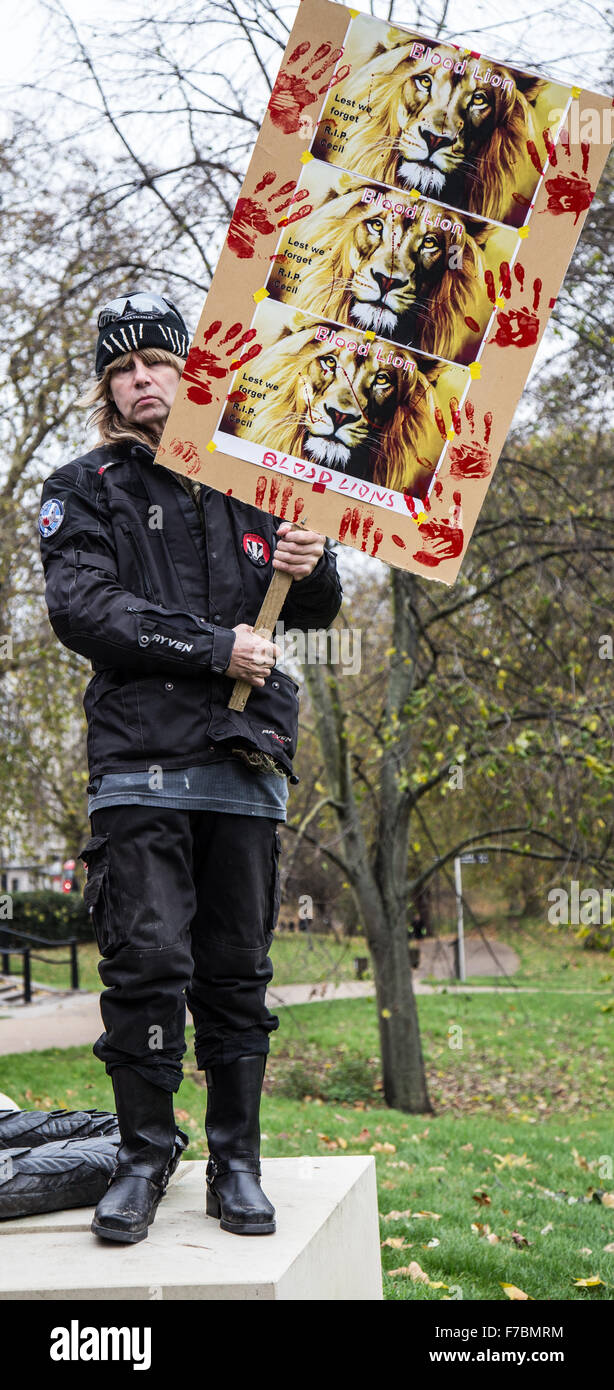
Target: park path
pixel 73 1020
pixel 63 1019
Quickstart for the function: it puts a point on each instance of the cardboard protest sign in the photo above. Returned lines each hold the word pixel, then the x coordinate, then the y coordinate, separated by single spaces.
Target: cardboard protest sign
pixel 403 230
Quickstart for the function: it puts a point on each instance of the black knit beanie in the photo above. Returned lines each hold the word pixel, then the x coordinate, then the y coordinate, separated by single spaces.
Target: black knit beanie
pixel 136 329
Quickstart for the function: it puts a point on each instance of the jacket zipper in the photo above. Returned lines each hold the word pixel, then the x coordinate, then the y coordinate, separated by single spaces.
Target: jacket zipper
pixel 141 564
pixel 197 503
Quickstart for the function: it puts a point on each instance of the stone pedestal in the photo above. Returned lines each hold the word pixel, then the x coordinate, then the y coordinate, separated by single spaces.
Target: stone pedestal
pixel 326 1246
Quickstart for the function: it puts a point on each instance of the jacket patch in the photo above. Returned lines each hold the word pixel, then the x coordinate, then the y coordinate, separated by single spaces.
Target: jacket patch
pixel 51 516
pixel 256 548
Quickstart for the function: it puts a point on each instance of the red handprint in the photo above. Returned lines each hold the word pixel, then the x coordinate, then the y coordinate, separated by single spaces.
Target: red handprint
pixel 203 364
pixel 505 280
pixel 252 217
pixel 472 460
pixel 350 521
pixel 291 94
pixel 519 327
pixel 566 192
pixel 186 450
pixel 442 427
pixel 444 539
pixel 277 508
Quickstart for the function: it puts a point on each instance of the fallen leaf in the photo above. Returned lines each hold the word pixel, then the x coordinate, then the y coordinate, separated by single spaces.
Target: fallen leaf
pixel 492 1238
pixel 385 1148
pixel 609 1249
pixel 427 1215
pixel 364 1135
pixel 545 1230
pixel 466 1148
pixel 482 1199
pixel 512 1161
pixel 585 1250
pixel 608 1199
pixel 343 1143
pixel 589 1283
pixel 520 1240
pixel 395 1215
pixel 432 1243
pixel 579 1161
pixel 182 1115
pixel 516 1295
pixel 397 1243
pixel 418 1275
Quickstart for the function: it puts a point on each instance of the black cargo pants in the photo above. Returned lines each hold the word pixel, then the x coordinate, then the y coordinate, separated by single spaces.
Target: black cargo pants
pixel 184 904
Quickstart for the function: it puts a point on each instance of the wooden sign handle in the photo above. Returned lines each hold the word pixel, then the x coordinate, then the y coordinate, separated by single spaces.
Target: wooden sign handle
pixel 264 626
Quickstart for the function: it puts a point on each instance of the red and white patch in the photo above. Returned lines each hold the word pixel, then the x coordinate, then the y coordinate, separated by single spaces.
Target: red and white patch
pixel 256 548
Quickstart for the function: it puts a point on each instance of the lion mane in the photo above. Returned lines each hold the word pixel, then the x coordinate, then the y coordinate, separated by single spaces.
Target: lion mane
pixel 495 170
pixel 326 286
pixel 401 454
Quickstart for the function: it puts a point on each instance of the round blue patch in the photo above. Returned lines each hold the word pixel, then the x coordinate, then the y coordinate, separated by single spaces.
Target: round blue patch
pixel 51 516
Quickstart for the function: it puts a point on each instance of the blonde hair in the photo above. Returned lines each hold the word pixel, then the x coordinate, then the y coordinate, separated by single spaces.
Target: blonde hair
pixel 105 416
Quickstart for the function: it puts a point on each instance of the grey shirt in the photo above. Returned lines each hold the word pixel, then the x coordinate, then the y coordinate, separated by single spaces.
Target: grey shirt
pixel 221 786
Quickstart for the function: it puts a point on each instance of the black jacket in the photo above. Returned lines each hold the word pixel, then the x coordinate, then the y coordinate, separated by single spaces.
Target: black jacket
pixel 148 584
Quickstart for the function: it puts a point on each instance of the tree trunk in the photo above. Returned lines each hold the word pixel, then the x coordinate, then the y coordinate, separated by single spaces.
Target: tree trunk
pixel 379 886
pixel 401 1049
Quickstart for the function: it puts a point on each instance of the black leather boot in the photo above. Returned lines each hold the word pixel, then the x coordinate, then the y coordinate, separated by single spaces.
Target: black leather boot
pixel 232 1123
pixel 149 1153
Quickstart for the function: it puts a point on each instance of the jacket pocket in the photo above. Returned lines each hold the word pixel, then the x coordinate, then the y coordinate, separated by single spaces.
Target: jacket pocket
pixel 141 563
pixel 111 704
pixel 95 855
pixel 271 713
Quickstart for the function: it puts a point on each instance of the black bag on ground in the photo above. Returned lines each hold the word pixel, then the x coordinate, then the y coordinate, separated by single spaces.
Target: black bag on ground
pixel 69 1172
pixel 52 1177
pixel 33 1127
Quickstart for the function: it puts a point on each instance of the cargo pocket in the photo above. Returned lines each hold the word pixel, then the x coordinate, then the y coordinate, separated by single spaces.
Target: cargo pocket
pixel 95 855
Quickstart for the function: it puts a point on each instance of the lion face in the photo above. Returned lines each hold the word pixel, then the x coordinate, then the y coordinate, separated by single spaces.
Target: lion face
pixel 395 265
pixel 346 400
pixel 442 121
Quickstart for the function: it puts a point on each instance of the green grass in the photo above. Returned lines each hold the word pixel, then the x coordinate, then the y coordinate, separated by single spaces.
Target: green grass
pixel 521 1137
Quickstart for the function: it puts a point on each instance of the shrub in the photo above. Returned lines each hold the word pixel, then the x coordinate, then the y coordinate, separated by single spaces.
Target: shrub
pixel 55 916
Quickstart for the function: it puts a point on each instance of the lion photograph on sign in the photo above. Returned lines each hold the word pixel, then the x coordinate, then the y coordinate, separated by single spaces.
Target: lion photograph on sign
pixel 356 405
pixel 392 261
pixel 443 121
pixel 411 270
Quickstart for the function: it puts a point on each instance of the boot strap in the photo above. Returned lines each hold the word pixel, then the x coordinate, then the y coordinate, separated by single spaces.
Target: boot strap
pixel 138 1170
pixel 242 1163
